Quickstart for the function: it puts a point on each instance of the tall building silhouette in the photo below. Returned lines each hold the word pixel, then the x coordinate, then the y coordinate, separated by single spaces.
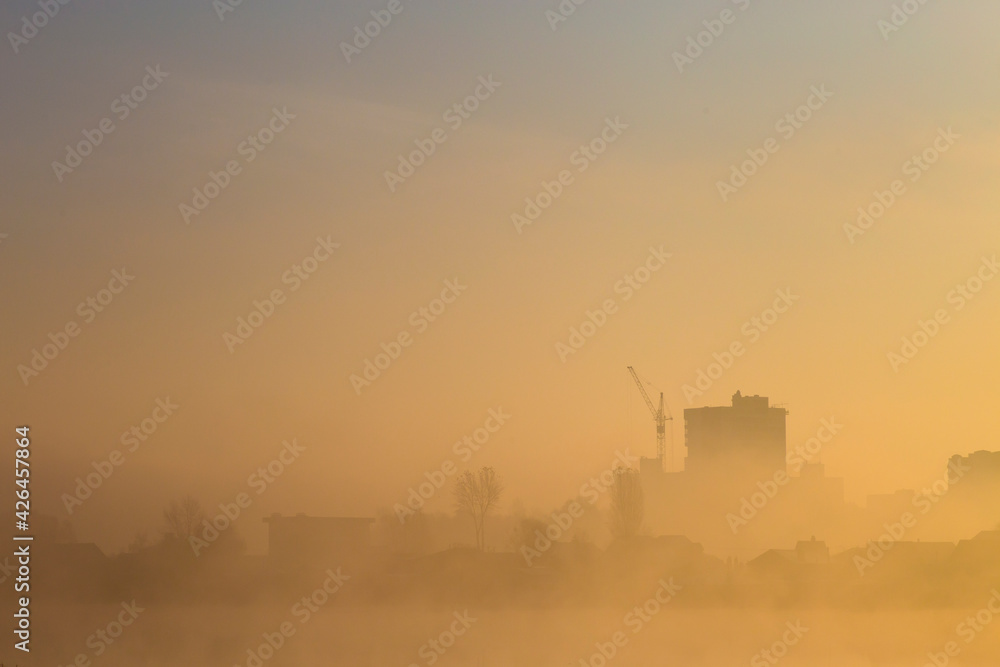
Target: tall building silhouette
pixel 749 435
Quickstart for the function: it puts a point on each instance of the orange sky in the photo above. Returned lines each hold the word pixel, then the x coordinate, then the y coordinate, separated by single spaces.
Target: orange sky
pixel 495 345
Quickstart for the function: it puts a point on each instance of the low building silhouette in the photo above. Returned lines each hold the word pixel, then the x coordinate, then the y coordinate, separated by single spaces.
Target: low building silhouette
pixel 300 543
pixel 806 555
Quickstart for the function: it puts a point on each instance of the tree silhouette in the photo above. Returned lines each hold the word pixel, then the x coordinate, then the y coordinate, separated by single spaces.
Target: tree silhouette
pixel 478 493
pixel 183 517
pixel 628 506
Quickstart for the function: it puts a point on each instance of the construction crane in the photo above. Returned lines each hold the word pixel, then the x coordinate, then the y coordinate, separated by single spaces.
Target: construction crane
pixel 661 415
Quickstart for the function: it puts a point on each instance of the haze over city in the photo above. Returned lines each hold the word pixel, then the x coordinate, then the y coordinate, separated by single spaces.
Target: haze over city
pixel 327 254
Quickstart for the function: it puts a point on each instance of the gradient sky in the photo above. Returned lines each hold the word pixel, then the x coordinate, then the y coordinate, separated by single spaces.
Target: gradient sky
pixel 655 186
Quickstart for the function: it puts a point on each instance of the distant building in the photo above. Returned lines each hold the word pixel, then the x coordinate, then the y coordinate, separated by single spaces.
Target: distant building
pixel 650 466
pixel 813 552
pixel 74 570
pixel 735 457
pixel 305 543
pixel 976 476
pixel 817 491
pixel 51 529
pixel 806 554
pixel 883 506
pixel 973 499
pixel 750 433
pixel 984 467
pixel 902 560
pixel 981 552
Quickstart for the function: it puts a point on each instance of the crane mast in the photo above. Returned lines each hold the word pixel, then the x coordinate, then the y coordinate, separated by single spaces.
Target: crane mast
pixel 660 416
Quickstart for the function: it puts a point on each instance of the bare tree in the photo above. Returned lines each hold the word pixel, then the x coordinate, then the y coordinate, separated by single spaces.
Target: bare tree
pixel 182 518
pixel 627 503
pixel 478 493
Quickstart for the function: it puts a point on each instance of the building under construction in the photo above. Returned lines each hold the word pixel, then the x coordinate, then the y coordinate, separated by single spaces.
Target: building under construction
pixel 735 464
pixel 747 436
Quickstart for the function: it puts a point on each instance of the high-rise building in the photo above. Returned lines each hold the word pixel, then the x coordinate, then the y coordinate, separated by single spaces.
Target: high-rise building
pixel 747 437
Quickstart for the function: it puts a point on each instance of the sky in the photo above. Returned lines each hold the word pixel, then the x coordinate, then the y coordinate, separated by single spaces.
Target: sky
pixel 517 290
